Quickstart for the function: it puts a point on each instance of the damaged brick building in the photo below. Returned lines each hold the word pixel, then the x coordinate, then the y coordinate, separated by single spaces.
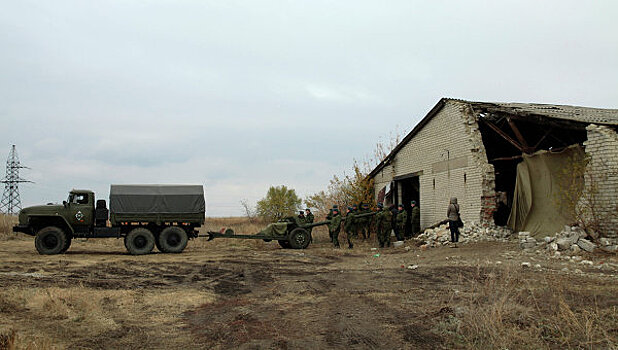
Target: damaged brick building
pixel 507 163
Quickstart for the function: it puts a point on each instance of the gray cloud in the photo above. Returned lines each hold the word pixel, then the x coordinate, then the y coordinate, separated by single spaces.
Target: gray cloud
pixel 240 95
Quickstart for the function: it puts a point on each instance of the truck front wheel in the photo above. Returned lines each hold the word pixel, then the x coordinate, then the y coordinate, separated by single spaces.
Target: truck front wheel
pixel 173 239
pixel 50 240
pixel 66 245
pixel 139 241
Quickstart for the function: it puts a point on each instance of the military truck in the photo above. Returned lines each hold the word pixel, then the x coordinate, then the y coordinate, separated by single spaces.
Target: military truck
pixel 165 216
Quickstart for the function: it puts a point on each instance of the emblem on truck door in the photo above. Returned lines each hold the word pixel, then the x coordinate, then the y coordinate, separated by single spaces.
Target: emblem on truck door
pixel 79 216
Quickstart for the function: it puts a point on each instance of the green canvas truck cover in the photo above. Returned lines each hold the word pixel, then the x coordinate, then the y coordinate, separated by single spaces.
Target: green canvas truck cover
pixel 163 199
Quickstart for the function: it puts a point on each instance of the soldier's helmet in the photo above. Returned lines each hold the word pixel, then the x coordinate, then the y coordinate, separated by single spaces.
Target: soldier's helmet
pixel 380 205
pixel 335 206
pixel 413 203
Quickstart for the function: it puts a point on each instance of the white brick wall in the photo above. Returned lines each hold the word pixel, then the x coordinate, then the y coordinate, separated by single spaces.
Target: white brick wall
pixel 602 175
pixel 451 134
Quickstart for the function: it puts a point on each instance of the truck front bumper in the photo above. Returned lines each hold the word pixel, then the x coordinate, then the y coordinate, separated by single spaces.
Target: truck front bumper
pixel 22 228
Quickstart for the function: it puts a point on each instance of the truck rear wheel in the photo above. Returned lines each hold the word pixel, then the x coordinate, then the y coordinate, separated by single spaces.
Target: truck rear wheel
pixel 173 239
pixel 139 241
pixel 50 240
pixel 299 238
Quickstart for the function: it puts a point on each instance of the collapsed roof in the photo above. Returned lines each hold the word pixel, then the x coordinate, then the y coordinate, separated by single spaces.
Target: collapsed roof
pixel 493 113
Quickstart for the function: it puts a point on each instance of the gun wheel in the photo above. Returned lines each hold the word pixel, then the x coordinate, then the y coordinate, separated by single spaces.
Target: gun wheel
pixel 299 238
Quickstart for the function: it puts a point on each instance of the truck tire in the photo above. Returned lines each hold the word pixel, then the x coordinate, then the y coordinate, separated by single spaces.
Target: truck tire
pixel 173 239
pixel 299 238
pixel 284 244
pixel 50 240
pixel 139 241
pixel 66 245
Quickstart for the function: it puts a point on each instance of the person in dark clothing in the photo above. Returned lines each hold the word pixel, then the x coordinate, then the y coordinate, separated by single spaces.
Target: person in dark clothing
pixel 453 219
pixel 309 220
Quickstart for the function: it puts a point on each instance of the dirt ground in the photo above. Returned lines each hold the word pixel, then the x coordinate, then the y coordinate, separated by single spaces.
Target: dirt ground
pixel 255 295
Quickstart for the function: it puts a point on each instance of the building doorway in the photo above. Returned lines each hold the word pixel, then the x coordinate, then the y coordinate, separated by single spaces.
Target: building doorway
pixel 408 190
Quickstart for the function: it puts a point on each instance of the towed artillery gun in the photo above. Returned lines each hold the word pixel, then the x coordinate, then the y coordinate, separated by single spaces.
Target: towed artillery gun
pixel 289 232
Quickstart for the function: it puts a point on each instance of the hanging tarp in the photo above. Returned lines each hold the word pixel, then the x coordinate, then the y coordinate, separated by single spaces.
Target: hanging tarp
pixel 546 190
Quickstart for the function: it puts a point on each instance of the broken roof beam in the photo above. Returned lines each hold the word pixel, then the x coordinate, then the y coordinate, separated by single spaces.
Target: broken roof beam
pixel 503 134
pixel 519 136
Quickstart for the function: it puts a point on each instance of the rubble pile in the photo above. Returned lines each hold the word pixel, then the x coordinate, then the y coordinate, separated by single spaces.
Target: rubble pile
pixel 571 240
pixel 471 232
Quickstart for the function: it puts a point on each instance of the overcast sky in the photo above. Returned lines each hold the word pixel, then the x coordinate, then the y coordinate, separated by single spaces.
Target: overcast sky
pixel 241 95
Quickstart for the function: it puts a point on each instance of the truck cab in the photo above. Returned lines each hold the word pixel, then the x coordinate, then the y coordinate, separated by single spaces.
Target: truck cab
pixel 79 211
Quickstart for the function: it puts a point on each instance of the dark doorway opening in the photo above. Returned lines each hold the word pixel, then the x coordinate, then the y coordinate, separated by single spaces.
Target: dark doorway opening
pixel 409 190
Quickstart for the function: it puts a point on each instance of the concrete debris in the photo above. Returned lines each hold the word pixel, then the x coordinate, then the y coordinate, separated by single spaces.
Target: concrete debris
pixel 573 240
pixel 412 267
pixel 525 264
pixel 586 245
pixel 471 232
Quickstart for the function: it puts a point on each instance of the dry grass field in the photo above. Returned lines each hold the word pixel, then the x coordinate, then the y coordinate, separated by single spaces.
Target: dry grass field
pixel 250 294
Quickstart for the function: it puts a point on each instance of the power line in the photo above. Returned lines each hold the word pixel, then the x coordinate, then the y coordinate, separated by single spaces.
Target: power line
pixel 11 202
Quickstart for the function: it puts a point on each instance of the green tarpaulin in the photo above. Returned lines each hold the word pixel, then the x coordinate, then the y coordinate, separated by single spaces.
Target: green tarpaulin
pixel 546 190
pixel 275 229
pixel 167 199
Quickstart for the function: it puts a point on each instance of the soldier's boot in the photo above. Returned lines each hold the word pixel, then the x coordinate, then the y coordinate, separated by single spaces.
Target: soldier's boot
pixel 350 246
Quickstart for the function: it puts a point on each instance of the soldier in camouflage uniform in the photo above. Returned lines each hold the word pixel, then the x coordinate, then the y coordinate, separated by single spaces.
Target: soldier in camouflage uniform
pixel 363 223
pixel 402 217
pixel 350 226
pixel 329 216
pixel 334 227
pixel 415 219
pixel 383 226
